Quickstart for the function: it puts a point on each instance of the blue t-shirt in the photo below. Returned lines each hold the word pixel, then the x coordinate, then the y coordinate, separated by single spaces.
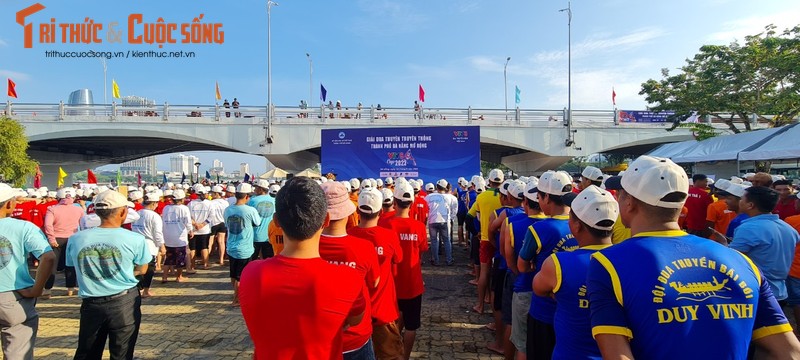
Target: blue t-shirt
pixel 572 319
pixel 543 239
pixel 462 201
pixel 679 296
pixel 735 224
pixel 498 257
pixel 104 259
pixel 770 243
pixel 18 238
pixel 265 206
pixel 241 221
pixel 518 226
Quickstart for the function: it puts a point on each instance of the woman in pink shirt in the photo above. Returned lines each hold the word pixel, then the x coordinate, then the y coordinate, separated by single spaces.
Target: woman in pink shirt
pixel 60 222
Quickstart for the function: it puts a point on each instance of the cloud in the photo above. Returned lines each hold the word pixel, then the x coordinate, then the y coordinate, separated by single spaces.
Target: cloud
pixel 739 28
pixel 386 17
pixel 467 6
pixel 3 43
pixel 602 43
pixel 16 76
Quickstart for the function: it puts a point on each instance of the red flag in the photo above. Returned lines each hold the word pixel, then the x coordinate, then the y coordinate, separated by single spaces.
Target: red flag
pixel 421 94
pixel 139 178
pixel 37 179
pixel 613 96
pixel 90 178
pixel 12 91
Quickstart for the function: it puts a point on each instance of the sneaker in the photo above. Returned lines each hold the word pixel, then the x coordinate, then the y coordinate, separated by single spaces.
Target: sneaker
pixel 434 263
pixel 450 263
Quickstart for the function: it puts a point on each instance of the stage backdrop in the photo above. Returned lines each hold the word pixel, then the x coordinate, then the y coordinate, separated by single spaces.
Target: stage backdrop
pixel 429 153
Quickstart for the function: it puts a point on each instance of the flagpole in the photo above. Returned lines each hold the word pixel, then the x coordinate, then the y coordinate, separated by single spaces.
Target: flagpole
pixel 505 84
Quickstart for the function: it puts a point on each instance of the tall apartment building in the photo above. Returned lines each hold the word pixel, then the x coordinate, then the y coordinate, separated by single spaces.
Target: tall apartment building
pixel 145 166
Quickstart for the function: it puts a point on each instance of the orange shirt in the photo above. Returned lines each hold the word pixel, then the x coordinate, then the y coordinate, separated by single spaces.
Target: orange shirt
pixel 353 219
pixel 719 214
pixel 682 218
pixel 275 237
pixel 794 270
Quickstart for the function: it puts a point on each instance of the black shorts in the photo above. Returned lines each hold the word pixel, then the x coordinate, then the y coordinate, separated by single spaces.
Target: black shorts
pixel 199 242
pixel 541 339
pixel 474 249
pixel 175 256
pixel 237 266
pixel 411 310
pixel 498 284
pixel 264 249
pixel 461 217
pixel 219 229
pixel 508 297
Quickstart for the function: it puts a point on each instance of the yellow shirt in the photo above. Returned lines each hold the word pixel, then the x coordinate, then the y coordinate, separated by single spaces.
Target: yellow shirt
pixel 275 237
pixel 483 208
pixel 619 232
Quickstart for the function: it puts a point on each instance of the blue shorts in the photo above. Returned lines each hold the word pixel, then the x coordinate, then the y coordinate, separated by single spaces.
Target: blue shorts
pixel 793 285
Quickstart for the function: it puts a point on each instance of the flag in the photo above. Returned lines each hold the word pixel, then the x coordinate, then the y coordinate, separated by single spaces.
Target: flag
pixel 139 179
pixel 114 89
pixel 323 94
pixel 208 176
pixel 421 94
pixel 164 178
pixel 219 96
pixel 12 89
pixel 183 177
pixel 119 178
pixel 90 178
pixel 218 178
pixel 37 179
pixel 246 177
pixel 61 175
pixel 517 94
pixel 613 96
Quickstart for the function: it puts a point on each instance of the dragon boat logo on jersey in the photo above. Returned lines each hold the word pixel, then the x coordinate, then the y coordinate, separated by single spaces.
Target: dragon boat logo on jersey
pixel 140 30
pixel 694 289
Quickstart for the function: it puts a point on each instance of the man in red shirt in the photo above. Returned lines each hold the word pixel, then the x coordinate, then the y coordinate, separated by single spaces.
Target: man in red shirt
pixel 25 209
pixel 786 199
pixel 40 210
pixel 408 281
pixel 386 337
pixel 296 304
pixel 341 249
pixel 697 204
pixel 419 209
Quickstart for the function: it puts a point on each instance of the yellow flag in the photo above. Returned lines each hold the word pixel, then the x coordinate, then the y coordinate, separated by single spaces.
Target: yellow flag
pixel 219 96
pixel 61 175
pixel 114 89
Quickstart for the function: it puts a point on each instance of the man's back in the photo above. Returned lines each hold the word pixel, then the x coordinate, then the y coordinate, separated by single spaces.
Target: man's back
pixel 241 221
pixel 296 308
pixel 485 205
pixel 413 241
pixel 265 206
pixel 177 224
pixel 697 204
pixel 387 247
pixel 18 238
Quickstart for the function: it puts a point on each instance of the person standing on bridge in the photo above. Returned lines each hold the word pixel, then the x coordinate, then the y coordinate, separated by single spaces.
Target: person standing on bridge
pixel 227 105
pixel 236 106
pixel 19 321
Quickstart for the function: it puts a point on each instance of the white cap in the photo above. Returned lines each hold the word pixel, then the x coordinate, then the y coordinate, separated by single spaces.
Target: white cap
pixel 416 185
pixel 78 192
pixel 135 195
pixel 429 187
pixel 151 197
pixel 110 199
pixel 159 192
pixel 388 180
pixel 404 191
pixel 51 194
pixel 736 189
pixel 736 180
pixel 531 191
pixel 230 189
pixel 179 194
pixel 592 173
pixel 370 201
pixel 262 183
pixel 723 184
pixel 477 181
pixel 346 185
pixel 442 183
pixel 594 205
pixel 244 188
pixel 649 179
pixel 354 184
pixel 273 189
pixel 198 188
pixel 504 186
pixel 323 179
pixel 64 192
pixel 388 196
pixel 169 192
pixel 149 188
pixel 7 193
pixel 463 182
pixel 366 184
pixel 496 175
pixel 555 183
pixel 44 189
pixel 379 183
pixel 217 189
pixel 170 186
pixel 516 189
pixel 207 189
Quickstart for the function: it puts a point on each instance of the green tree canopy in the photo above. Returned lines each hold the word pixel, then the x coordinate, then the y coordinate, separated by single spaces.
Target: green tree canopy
pixel 761 77
pixel 15 165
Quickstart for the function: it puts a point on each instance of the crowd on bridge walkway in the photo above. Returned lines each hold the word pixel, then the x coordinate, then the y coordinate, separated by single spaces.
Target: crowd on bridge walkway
pixel 650 263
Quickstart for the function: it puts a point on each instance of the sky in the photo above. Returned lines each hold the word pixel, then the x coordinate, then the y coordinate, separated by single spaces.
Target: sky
pixel 380 51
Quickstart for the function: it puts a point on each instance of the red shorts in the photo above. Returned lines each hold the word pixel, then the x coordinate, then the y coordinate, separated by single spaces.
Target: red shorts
pixel 486 252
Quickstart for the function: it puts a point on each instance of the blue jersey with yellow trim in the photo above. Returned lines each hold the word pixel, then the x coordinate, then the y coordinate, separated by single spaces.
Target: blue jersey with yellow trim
pixel 498 257
pixel 517 227
pixel 571 322
pixel 543 239
pixel 666 288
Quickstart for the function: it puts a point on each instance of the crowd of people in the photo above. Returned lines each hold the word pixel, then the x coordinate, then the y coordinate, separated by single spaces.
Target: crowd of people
pixel 638 265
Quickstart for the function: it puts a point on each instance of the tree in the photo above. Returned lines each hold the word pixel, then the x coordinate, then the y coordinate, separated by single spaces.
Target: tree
pixel 726 82
pixel 15 165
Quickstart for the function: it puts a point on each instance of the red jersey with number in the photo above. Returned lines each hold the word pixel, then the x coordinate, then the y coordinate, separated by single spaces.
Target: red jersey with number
pixel 359 254
pixel 413 242
pixel 296 308
pixel 387 247
pixel 697 203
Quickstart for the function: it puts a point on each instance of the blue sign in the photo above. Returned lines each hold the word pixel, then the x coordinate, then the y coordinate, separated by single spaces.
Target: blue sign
pixel 630 116
pixel 429 153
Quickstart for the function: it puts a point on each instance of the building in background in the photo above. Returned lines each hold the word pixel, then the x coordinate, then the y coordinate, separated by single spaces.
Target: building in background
pixel 244 168
pixel 183 164
pixel 145 166
pixel 217 168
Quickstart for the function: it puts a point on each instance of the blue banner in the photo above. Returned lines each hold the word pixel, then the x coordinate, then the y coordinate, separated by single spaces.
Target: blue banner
pixel 630 116
pixel 429 153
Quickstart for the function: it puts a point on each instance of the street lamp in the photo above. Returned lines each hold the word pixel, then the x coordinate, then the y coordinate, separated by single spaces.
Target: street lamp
pixel 310 81
pixel 505 84
pixel 197 171
pixel 270 3
pixel 569 69
pixel 105 82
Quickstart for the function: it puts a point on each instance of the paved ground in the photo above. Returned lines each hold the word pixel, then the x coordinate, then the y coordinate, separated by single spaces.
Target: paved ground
pixel 193 320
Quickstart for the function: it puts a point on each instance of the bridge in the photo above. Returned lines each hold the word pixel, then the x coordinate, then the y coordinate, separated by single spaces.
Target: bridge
pixel 77 137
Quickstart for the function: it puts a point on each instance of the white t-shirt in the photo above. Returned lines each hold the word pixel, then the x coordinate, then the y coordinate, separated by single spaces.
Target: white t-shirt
pixel 92 221
pixel 218 207
pixel 442 208
pixel 200 210
pixel 177 224
pixel 152 227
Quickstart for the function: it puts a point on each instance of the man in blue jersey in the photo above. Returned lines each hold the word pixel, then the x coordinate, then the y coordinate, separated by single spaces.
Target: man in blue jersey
pixel 461 215
pixel 544 238
pixel 265 206
pixel 241 221
pixel 513 237
pixel 563 274
pixel 664 294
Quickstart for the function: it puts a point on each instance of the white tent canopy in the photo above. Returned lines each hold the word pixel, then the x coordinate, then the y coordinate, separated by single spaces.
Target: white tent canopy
pixel 783 145
pixel 673 149
pixel 276 173
pixel 722 148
